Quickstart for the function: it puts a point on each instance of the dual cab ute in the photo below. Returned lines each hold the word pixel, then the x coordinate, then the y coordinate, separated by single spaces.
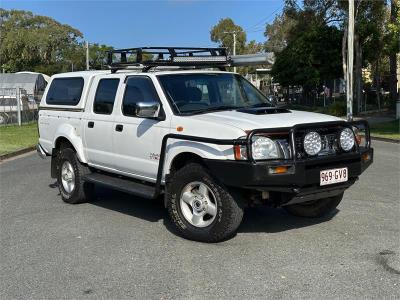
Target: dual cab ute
pixel 162 123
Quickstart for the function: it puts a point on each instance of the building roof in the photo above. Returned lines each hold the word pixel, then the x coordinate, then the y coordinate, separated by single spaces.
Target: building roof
pixel 27 81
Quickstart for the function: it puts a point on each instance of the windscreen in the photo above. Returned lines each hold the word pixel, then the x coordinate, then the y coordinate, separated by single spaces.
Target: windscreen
pixel 207 92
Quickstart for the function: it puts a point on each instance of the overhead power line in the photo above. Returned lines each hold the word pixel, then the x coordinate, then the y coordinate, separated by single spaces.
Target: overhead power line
pixel 263 20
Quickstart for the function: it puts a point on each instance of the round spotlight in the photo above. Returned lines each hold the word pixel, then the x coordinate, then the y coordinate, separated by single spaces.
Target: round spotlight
pixel 347 139
pixel 312 143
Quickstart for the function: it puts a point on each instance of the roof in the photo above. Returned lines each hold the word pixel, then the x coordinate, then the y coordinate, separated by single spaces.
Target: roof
pixel 27 81
pixel 84 74
pixel 46 77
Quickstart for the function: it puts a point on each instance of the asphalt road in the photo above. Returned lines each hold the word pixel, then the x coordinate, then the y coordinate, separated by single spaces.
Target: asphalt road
pixel 122 247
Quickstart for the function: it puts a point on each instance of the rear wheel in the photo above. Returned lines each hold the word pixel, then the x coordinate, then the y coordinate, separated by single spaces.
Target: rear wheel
pixel 201 208
pixel 316 208
pixel 70 174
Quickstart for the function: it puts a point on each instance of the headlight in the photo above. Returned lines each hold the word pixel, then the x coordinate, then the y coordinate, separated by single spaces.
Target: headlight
pixel 264 148
pixel 347 139
pixel 312 143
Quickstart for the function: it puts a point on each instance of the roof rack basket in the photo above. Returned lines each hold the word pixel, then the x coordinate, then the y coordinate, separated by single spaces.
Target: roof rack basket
pixel 148 57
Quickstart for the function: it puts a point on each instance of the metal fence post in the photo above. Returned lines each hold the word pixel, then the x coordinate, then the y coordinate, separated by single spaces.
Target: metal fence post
pixel 18 96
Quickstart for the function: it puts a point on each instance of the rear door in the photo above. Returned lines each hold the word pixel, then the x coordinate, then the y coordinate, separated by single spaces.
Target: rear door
pixel 137 141
pixel 99 121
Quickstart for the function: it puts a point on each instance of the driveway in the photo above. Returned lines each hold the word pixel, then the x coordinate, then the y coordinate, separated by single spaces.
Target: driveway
pixel 122 247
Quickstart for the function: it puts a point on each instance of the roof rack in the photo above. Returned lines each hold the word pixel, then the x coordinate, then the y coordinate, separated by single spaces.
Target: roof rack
pixel 148 57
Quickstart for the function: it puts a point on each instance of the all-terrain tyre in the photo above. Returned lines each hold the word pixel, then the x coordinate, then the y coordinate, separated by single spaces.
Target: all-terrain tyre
pixel 315 209
pixel 200 207
pixel 73 189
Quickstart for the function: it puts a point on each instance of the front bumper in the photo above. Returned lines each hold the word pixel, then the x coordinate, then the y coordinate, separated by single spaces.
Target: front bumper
pixel 300 184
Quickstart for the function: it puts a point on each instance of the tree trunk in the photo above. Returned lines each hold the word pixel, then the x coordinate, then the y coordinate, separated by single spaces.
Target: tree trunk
pixel 378 83
pixel 393 77
pixel 392 59
pixel 358 73
pixel 344 53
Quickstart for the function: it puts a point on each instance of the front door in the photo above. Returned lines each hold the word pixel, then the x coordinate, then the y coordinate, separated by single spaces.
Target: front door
pixel 137 141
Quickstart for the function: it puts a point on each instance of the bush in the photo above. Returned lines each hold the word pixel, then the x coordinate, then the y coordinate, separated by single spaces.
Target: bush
pixel 337 109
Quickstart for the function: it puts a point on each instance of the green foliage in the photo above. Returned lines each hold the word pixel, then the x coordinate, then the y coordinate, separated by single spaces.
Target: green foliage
pixel 222 34
pixel 338 109
pixel 38 43
pixel 41 44
pixel 370 22
pixel 392 30
pixel 310 58
pixel 311 43
pixel 98 56
pixel 278 32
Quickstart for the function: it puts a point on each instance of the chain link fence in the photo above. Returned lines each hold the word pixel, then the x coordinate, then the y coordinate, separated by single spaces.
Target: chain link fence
pixel 17 106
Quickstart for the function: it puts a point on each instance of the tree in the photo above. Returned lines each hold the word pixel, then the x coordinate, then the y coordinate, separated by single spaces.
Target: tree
pixel 309 59
pixel 278 32
pixel 98 56
pixel 222 33
pixel 392 42
pixel 31 42
pixel 253 47
pixel 311 52
pixel 376 39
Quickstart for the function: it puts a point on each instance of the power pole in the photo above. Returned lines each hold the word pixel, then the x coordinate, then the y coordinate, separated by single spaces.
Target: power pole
pixel 234 44
pixel 234 48
pixel 350 59
pixel 87 55
pixel 18 96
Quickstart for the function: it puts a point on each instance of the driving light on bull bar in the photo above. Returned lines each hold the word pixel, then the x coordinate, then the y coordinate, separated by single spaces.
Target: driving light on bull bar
pixel 312 143
pixel 347 140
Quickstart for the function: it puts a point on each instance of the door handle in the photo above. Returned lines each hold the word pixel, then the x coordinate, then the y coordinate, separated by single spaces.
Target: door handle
pixel 90 124
pixel 119 127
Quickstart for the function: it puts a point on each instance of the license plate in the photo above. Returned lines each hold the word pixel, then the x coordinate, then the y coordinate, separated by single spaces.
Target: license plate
pixel 333 176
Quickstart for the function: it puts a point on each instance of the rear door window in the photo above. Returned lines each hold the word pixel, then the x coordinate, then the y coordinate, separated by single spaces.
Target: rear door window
pixel 105 96
pixel 65 91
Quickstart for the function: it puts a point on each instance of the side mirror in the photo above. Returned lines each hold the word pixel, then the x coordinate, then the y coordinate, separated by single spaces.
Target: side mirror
pixel 147 109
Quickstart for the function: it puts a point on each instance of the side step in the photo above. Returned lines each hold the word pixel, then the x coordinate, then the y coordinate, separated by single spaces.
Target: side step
pixel 122 184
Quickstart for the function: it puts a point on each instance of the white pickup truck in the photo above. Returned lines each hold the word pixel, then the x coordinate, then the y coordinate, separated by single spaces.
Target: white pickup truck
pixel 208 141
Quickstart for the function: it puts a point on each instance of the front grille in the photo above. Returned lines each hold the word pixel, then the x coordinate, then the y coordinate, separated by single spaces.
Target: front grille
pixel 329 137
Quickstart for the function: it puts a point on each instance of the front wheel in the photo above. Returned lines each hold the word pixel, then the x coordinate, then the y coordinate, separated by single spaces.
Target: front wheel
pixel 200 208
pixel 316 208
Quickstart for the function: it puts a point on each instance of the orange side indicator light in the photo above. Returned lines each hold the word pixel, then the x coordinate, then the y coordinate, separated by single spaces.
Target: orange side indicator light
pixel 238 154
pixel 179 128
pixel 278 170
pixel 365 157
pixel 358 139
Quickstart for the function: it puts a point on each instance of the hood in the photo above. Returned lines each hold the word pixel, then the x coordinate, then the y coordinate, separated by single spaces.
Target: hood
pixel 246 121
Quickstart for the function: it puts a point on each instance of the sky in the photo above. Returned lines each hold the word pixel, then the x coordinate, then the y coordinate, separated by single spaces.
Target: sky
pixel 134 23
